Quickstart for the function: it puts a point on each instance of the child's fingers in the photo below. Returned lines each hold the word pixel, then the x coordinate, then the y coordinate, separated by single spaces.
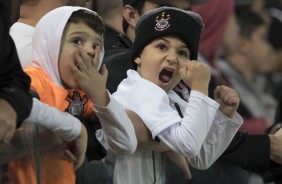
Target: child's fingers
pixel 228 99
pixel 96 59
pixel 87 60
pixel 183 71
pixel 228 96
pixel 79 61
pixel 8 136
pixel 79 162
pixel 183 64
pixel 70 156
pixel 187 172
pixel 216 92
pixel 75 69
pixel 3 137
pixel 225 96
pixel 104 71
pixel 233 100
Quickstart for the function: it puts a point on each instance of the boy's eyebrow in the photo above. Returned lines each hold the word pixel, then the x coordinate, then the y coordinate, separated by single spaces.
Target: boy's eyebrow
pixel 78 32
pixel 165 40
pixel 82 32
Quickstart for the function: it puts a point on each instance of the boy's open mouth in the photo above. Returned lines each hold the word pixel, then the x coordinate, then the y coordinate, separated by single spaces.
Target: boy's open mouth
pixel 165 76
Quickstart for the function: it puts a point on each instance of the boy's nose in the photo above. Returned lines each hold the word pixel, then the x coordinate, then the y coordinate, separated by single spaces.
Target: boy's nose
pixel 90 51
pixel 171 58
pixel 91 54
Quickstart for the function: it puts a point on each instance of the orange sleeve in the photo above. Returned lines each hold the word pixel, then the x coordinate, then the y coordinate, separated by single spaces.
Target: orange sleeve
pixel 38 81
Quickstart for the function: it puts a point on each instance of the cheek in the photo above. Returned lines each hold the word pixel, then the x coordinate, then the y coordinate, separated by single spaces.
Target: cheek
pixel 64 72
pixel 69 79
pixel 65 68
pixel 177 78
pixel 147 65
pixel 146 73
pixel 67 60
pixel 149 72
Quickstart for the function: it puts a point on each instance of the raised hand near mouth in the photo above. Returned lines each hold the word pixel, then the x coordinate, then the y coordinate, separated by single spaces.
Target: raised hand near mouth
pixel 196 75
pixel 90 80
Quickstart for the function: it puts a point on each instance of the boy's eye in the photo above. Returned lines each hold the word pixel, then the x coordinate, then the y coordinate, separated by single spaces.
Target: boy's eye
pixel 183 53
pixel 77 41
pixel 162 46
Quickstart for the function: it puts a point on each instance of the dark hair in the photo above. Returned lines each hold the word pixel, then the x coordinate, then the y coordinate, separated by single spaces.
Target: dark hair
pixel 30 2
pixel 138 5
pixel 249 21
pixel 91 19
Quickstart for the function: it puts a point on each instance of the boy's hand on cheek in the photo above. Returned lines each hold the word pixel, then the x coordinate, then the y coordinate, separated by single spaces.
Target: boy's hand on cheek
pixel 228 100
pixel 90 80
pixel 196 75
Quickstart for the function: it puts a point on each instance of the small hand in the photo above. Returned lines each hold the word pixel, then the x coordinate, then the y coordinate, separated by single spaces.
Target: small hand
pixel 90 80
pixel 228 100
pixel 181 162
pixel 8 118
pixel 77 148
pixel 196 75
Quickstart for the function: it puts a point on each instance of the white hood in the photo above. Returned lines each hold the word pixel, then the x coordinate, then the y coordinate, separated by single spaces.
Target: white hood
pixel 47 40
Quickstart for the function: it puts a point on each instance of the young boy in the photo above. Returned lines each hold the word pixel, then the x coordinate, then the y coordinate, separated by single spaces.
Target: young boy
pixel 200 129
pixel 67 54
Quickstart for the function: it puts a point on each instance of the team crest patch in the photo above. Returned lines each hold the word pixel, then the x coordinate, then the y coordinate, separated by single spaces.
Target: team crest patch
pixel 162 22
pixel 77 103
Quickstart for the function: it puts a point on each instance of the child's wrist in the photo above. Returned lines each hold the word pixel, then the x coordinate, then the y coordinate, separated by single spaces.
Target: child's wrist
pixel 202 89
pixel 101 99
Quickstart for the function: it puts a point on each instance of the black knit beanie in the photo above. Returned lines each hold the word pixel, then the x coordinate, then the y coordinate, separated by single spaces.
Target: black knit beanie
pixel 167 21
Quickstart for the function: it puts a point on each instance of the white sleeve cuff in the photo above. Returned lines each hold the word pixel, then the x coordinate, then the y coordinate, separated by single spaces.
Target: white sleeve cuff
pixel 117 132
pixel 62 124
pixel 205 98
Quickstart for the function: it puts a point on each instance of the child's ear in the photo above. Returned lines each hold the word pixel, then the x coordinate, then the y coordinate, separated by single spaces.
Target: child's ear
pixel 131 15
pixel 137 60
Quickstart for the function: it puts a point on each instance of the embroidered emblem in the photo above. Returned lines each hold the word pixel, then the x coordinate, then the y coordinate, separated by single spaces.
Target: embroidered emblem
pixel 77 103
pixel 162 22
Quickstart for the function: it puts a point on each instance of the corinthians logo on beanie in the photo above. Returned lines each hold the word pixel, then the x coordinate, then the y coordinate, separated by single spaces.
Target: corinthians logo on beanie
pixel 162 23
pixel 167 21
